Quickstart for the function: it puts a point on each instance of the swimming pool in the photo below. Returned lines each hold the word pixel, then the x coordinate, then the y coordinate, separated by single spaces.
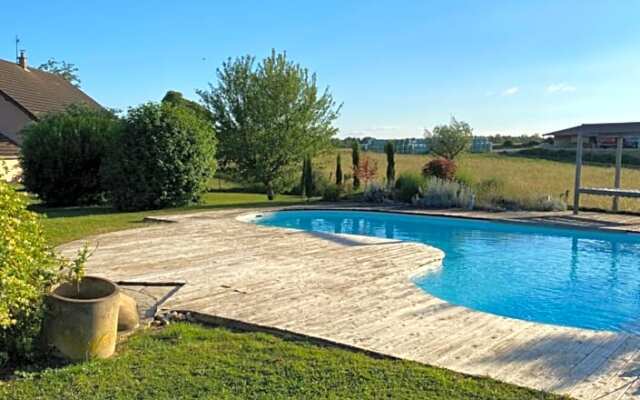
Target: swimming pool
pixel 579 278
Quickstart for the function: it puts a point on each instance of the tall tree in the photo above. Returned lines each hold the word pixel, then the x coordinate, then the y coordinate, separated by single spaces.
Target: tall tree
pixel 389 148
pixel 307 178
pixel 176 98
pixel 339 173
pixel 268 117
pixel 449 141
pixel 66 70
pixel 355 162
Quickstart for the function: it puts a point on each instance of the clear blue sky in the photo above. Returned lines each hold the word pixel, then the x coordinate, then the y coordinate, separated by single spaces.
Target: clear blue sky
pixel 509 67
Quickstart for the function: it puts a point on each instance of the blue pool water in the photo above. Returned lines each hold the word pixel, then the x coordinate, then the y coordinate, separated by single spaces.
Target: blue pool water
pixel 580 278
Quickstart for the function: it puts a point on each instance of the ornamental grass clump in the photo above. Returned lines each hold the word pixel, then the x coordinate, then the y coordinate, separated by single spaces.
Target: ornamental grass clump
pixel 441 193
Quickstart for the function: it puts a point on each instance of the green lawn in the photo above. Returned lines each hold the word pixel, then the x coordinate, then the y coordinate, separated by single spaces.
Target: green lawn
pixel 62 225
pixel 189 361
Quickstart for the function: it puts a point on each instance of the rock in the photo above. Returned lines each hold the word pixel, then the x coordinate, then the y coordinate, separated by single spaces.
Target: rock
pixel 128 318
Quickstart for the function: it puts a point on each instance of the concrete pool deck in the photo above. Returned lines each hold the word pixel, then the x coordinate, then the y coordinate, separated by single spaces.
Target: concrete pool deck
pixel 357 291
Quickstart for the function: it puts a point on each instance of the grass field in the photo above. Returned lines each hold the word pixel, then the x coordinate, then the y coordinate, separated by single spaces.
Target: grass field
pixel 66 224
pixel 193 362
pixel 523 178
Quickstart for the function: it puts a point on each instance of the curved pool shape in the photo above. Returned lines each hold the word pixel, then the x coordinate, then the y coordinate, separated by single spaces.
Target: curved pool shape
pixel 579 278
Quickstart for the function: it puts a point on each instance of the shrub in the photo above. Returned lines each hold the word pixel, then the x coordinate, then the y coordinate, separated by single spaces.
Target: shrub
pixel 163 158
pixel 407 186
pixel 62 154
pixel 331 192
pixel 440 168
pixel 465 178
pixel 375 193
pixel 441 193
pixel 27 269
pixel 490 188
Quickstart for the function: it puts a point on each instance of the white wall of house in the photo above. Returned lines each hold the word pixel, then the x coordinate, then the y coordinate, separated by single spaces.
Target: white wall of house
pixel 12 119
pixel 9 169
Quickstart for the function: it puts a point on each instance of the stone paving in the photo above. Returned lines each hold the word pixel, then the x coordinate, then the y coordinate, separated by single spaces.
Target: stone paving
pixel 357 291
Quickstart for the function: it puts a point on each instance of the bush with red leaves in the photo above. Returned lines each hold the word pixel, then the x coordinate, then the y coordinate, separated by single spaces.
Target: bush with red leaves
pixel 440 168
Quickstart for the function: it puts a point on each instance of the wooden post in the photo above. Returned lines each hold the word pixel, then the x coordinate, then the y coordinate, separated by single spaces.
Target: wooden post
pixel 619 142
pixel 576 185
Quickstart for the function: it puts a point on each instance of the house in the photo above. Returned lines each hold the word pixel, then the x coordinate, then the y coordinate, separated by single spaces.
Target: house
pixel 599 136
pixel 26 94
pixel 481 144
pixel 402 146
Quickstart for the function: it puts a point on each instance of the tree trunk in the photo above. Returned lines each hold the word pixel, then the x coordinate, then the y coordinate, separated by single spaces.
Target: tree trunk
pixel 270 194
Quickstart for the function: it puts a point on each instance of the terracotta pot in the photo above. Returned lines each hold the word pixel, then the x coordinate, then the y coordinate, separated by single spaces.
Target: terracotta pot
pixel 83 324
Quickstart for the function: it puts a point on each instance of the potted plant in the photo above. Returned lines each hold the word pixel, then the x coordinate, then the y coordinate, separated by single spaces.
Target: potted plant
pixel 81 319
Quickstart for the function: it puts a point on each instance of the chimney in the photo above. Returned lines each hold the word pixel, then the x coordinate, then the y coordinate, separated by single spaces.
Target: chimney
pixel 22 60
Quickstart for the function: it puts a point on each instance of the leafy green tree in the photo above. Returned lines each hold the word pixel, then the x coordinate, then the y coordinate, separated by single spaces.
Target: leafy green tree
pixel 449 141
pixel 268 117
pixel 62 153
pixel 176 98
pixel 164 157
pixel 355 162
pixel 391 162
pixel 66 70
pixel 339 174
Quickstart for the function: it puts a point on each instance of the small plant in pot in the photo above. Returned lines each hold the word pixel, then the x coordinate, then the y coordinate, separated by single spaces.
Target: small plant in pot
pixel 81 320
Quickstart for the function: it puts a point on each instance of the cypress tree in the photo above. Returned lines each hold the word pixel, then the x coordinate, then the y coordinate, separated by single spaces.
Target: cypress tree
pixel 308 177
pixel 338 171
pixel 355 160
pixel 391 162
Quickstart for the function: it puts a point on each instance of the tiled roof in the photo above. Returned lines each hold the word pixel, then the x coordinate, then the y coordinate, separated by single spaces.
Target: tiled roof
pixel 618 128
pixel 39 92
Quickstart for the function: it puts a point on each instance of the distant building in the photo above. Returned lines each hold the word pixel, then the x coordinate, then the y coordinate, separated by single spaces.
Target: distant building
pixel 598 136
pixel 402 146
pixel 25 96
pixel 481 144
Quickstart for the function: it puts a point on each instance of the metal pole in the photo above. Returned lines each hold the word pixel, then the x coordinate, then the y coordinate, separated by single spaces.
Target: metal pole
pixel 619 142
pixel 576 185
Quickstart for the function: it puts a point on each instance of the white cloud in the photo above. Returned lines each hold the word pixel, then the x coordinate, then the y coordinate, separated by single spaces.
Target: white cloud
pixel 561 87
pixel 510 91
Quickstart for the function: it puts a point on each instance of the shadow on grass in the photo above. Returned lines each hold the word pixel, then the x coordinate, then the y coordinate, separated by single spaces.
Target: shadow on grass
pixel 71 212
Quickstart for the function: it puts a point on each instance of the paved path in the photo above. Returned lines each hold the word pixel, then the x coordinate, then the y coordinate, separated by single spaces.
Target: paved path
pixel 357 291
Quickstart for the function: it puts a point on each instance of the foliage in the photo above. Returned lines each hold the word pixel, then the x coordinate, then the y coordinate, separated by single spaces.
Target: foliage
pixel 269 117
pixel 27 270
pixel 339 175
pixel 355 163
pixel 218 363
pixel 331 192
pixel 176 98
pixel 449 141
pixel 440 193
pixel 408 185
pixel 163 158
pixel 366 170
pixel 375 193
pixel 67 71
pixel 62 153
pixel 440 168
pixel 391 162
